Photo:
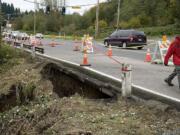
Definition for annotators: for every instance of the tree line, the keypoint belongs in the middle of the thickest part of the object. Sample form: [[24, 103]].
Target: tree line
[[133, 14], [9, 9], [8, 12]]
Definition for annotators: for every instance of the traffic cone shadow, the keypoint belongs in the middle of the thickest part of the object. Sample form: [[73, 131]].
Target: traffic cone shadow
[[148, 56]]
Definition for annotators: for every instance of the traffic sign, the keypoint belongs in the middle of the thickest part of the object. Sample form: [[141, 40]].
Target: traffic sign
[[76, 7]]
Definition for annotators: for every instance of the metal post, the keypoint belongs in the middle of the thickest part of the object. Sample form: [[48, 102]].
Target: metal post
[[97, 19], [118, 13], [126, 80]]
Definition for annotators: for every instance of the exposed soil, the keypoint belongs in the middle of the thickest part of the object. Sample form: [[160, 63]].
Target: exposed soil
[[65, 106]]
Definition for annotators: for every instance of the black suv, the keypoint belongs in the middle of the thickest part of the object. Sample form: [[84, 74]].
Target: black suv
[[126, 38]]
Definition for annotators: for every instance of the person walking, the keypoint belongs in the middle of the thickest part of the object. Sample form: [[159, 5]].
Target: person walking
[[174, 50]]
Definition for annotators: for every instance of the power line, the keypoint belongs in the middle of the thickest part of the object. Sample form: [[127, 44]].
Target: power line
[[84, 5]]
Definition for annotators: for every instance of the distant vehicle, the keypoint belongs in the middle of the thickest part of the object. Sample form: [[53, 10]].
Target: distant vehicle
[[4, 34], [15, 34], [127, 38], [23, 36], [39, 35]]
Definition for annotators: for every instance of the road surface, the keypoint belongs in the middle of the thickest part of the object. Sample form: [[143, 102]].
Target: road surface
[[144, 74]]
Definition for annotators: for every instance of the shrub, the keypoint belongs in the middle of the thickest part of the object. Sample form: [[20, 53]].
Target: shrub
[[102, 24], [25, 92], [7, 53]]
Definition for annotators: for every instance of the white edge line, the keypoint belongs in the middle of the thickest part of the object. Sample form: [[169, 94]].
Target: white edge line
[[114, 78], [157, 93]]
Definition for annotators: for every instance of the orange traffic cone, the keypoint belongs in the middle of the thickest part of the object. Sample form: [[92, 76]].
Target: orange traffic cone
[[85, 59], [148, 56], [109, 53]]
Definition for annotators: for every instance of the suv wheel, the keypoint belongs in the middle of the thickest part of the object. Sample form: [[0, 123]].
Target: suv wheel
[[139, 48], [106, 44], [124, 45]]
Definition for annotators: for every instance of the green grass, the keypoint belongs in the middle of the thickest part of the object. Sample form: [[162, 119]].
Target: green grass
[[8, 57]]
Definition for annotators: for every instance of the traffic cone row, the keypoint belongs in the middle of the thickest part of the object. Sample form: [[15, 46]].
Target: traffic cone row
[[148, 56]]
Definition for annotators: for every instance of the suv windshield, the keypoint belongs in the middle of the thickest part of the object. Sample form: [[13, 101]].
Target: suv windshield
[[114, 34], [138, 33], [124, 33]]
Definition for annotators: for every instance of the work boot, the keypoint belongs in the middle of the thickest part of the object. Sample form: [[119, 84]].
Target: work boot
[[168, 82]]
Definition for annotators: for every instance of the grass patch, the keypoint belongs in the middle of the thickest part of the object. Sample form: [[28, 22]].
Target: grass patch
[[9, 57]]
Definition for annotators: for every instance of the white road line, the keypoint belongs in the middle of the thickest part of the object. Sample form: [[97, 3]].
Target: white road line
[[157, 93]]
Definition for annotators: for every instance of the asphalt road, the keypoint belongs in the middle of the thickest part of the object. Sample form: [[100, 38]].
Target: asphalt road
[[144, 74]]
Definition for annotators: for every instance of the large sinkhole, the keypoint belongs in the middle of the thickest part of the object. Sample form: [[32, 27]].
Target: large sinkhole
[[66, 83]]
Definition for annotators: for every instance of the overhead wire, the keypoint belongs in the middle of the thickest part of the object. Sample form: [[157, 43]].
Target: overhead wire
[[83, 5]]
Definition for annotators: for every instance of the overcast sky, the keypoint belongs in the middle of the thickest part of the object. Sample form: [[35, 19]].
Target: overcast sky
[[23, 5]]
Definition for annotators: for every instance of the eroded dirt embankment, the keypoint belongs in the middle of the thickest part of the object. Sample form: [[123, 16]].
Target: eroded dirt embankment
[[65, 84], [18, 87]]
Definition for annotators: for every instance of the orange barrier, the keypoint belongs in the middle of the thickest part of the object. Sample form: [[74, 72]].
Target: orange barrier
[[148, 56], [52, 43]]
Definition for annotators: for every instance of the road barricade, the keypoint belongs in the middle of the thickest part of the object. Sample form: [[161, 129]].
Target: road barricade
[[87, 42], [160, 52]]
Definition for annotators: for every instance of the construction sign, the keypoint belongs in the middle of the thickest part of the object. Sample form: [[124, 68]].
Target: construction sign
[[160, 51], [35, 41], [87, 42]]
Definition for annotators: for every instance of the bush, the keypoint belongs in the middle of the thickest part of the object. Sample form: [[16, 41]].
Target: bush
[[102, 24], [7, 53], [9, 57], [25, 92], [157, 31]]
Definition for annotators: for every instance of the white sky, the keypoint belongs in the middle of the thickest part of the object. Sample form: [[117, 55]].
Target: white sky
[[23, 5]]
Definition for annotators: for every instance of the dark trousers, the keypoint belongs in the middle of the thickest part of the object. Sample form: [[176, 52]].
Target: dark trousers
[[175, 73]]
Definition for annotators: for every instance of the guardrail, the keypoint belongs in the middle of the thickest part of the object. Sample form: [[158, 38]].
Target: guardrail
[[28, 46], [39, 49]]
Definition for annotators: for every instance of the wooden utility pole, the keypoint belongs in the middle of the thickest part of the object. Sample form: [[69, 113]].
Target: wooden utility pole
[[35, 2], [97, 20], [118, 11]]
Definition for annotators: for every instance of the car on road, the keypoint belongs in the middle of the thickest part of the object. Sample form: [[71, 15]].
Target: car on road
[[15, 34], [127, 38], [39, 35]]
